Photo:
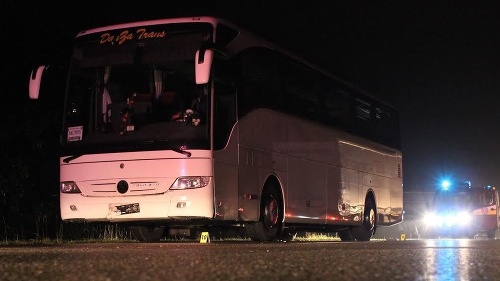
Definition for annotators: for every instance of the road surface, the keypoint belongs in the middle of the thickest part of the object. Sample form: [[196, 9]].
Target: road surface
[[440, 259]]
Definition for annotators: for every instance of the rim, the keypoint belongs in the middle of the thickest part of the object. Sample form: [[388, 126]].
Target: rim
[[371, 219], [271, 212]]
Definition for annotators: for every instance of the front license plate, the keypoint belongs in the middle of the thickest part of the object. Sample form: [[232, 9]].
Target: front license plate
[[128, 209]]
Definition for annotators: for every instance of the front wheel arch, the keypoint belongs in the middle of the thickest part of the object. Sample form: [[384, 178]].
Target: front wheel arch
[[269, 226]]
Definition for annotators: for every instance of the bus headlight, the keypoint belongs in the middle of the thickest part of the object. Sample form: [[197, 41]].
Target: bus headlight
[[69, 187], [190, 182]]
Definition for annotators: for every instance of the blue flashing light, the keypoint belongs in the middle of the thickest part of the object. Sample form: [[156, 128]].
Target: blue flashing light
[[445, 184]]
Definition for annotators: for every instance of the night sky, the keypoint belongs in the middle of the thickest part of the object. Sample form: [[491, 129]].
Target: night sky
[[438, 63]]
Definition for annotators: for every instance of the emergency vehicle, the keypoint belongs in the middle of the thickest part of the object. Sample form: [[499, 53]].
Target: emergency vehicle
[[460, 210]]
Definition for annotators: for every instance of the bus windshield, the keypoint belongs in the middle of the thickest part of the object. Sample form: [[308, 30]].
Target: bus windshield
[[134, 86]]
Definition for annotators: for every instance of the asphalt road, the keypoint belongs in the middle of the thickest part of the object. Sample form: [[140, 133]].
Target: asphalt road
[[476, 259]]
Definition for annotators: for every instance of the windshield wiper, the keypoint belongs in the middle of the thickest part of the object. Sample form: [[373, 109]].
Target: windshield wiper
[[171, 147], [187, 153]]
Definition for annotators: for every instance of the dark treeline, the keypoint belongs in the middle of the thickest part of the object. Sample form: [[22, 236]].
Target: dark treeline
[[29, 170]]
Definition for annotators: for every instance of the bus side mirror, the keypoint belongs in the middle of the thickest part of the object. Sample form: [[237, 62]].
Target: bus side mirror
[[36, 81], [203, 64]]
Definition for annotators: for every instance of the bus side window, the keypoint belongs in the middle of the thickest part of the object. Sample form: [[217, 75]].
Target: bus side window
[[260, 84], [301, 93], [383, 125], [364, 120], [337, 108]]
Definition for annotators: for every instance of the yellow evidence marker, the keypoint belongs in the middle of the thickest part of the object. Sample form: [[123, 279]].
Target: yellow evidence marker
[[205, 238]]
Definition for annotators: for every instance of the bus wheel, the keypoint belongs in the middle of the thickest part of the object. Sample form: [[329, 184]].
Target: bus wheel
[[147, 233], [270, 223], [365, 231], [490, 234]]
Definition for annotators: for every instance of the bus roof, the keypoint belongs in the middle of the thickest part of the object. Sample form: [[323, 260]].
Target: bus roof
[[245, 39], [212, 20]]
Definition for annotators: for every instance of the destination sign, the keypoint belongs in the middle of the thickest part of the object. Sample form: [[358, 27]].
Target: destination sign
[[128, 35]]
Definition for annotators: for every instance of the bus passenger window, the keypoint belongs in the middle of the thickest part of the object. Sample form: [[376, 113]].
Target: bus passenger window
[[337, 108], [363, 110]]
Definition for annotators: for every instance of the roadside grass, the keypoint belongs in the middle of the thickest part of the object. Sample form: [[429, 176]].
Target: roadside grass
[[116, 233], [311, 236], [307, 237]]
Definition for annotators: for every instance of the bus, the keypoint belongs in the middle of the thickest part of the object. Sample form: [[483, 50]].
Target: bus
[[459, 210], [267, 143]]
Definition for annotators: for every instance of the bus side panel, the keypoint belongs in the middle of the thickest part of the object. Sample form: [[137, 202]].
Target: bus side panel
[[351, 203], [379, 170], [396, 213], [306, 191], [257, 167], [226, 190], [248, 184], [310, 149], [258, 132], [334, 192], [388, 203], [381, 186], [226, 179]]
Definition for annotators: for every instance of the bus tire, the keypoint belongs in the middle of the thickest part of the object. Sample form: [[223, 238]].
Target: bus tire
[[490, 234], [269, 226], [365, 231], [147, 233], [345, 235]]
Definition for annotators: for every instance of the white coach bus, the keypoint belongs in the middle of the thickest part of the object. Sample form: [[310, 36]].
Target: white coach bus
[[265, 140]]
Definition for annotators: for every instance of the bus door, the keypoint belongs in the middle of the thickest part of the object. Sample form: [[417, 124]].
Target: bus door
[[225, 146]]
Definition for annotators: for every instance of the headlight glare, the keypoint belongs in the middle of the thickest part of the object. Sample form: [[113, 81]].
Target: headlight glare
[[430, 219], [464, 218], [434, 220]]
